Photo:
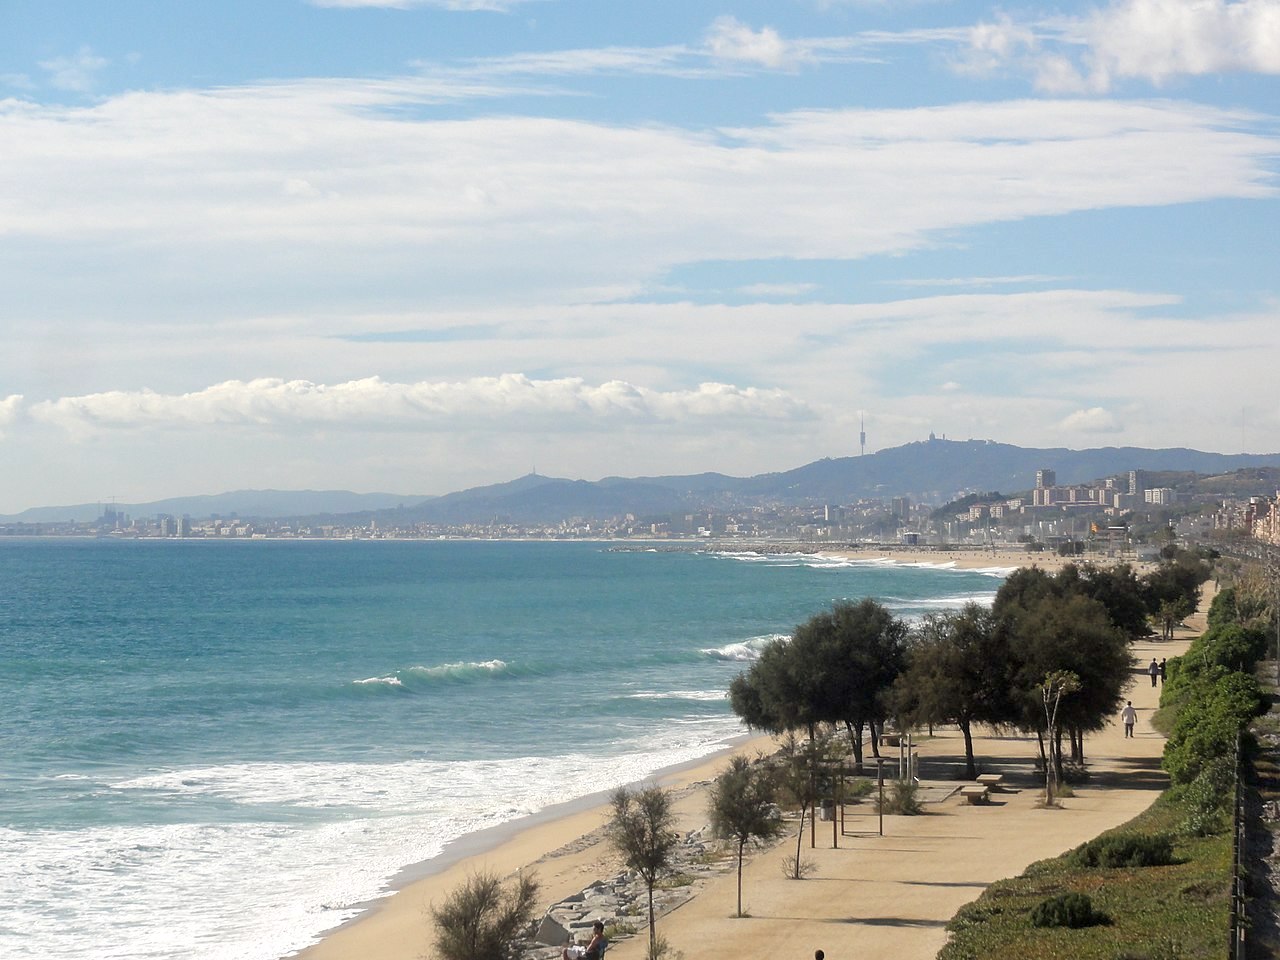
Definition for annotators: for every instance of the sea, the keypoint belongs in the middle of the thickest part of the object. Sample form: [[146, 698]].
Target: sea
[[219, 750]]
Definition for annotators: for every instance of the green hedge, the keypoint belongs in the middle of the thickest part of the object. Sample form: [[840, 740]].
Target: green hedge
[[1072, 910], [1125, 848]]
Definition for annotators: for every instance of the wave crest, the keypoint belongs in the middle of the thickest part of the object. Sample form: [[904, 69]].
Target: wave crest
[[744, 651], [461, 672]]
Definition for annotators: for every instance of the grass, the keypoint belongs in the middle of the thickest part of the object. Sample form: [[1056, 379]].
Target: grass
[[1156, 913]]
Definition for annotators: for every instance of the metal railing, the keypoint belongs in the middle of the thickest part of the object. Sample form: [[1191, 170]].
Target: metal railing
[[1239, 916]]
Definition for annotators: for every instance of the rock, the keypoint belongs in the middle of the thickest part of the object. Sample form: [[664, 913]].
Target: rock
[[551, 932]]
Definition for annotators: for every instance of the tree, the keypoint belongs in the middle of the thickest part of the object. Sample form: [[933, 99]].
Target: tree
[[743, 808], [777, 693], [642, 832], [1169, 614], [957, 673], [1176, 580], [1074, 634], [480, 919], [1118, 589], [800, 775], [838, 669], [864, 653], [1053, 688]]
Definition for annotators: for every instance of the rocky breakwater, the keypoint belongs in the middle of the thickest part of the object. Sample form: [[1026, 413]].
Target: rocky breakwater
[[621, 901]]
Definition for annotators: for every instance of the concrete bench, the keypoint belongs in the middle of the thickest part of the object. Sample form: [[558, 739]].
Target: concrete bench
[[974, 794], [990, 780]]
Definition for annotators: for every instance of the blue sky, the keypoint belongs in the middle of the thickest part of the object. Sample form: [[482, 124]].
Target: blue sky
[[418, 246]]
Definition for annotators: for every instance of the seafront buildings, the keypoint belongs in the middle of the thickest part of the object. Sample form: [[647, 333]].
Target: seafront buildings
[[1110, 516]]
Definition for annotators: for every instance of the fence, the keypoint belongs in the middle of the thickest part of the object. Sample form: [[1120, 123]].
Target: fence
[[1239, 919]]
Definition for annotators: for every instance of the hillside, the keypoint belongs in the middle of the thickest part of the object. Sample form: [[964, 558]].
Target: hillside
[[933, 471]]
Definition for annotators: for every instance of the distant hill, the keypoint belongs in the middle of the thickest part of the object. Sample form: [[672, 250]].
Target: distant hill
[[264, 504], [931, 469], [934, 470]]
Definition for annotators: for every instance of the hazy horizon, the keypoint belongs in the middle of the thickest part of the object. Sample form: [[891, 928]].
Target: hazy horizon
[[436, 244]]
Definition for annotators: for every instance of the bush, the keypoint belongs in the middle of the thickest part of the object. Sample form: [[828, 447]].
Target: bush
[[1125, 849], [1207, 797], [1066, 910], [480, 919], [903, 799], [1215, 706]]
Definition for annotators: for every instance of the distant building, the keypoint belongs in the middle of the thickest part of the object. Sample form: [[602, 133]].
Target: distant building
[[1159, 496], [1045, 478]]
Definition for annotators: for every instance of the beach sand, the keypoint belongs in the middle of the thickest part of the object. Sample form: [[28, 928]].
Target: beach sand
[[875, 896], [977, 558]]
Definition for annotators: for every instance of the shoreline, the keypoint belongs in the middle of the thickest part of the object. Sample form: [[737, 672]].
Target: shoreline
[[562, 842], [547, 836]]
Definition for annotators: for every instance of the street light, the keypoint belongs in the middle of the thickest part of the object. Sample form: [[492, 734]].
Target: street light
[[880, 783]]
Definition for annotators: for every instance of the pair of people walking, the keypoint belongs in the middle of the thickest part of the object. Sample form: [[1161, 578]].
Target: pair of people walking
[[1157, 670]]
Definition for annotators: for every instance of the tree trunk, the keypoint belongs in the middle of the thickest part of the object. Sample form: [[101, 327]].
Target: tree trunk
[[970, 769], [653, 930], [857, 747], [799, 841], [876, 730], [1057, 757], [741, 847]]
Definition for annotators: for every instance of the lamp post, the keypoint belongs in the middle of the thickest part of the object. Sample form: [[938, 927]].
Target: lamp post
[[880, 784]]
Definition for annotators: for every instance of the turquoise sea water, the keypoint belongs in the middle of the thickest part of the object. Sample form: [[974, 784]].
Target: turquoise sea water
[[220, 750]]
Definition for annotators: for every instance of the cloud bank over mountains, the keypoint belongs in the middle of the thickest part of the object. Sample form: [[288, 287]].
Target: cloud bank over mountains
[[445, 238], [484, 402]]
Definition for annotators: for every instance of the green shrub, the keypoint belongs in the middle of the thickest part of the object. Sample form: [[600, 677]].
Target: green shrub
[[903, 799], [1125, 849], [1234, 646], [1216, 706], [1066, 910], [1208, 797], [859, 787]]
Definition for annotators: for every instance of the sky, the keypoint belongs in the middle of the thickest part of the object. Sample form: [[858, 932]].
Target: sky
[[414, 246]]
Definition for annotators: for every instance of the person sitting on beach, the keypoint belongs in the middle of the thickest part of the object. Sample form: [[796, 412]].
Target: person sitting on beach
[[594, 949]]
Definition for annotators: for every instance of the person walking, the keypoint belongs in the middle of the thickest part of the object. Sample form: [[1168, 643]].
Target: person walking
[[1128, 716], [1154, 671], [1164, 667]]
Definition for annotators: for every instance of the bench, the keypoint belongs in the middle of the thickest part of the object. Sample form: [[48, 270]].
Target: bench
[[990, 780], [974, 794]]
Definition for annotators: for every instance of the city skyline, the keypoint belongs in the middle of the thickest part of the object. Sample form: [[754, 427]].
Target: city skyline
[[424, 245]]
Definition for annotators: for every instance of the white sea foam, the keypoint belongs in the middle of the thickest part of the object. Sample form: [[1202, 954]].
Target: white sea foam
[[832, 562], [700, 695], [744, 651], [388, 681], [314, 842]]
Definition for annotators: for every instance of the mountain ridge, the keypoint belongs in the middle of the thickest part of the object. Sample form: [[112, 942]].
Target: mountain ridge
[[933, 469]]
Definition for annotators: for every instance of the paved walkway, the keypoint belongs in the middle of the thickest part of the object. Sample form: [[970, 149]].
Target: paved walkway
[[892, 896]]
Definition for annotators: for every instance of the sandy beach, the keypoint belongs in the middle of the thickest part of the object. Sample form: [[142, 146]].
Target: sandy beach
[[876, 896], [976, 558]]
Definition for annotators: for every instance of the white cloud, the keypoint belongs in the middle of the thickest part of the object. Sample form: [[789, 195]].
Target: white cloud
[[77, 73], [313, 189], [1152, 40], [1092, 420], [10, 410], [730, 39], [504, 403], [991, 46]]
